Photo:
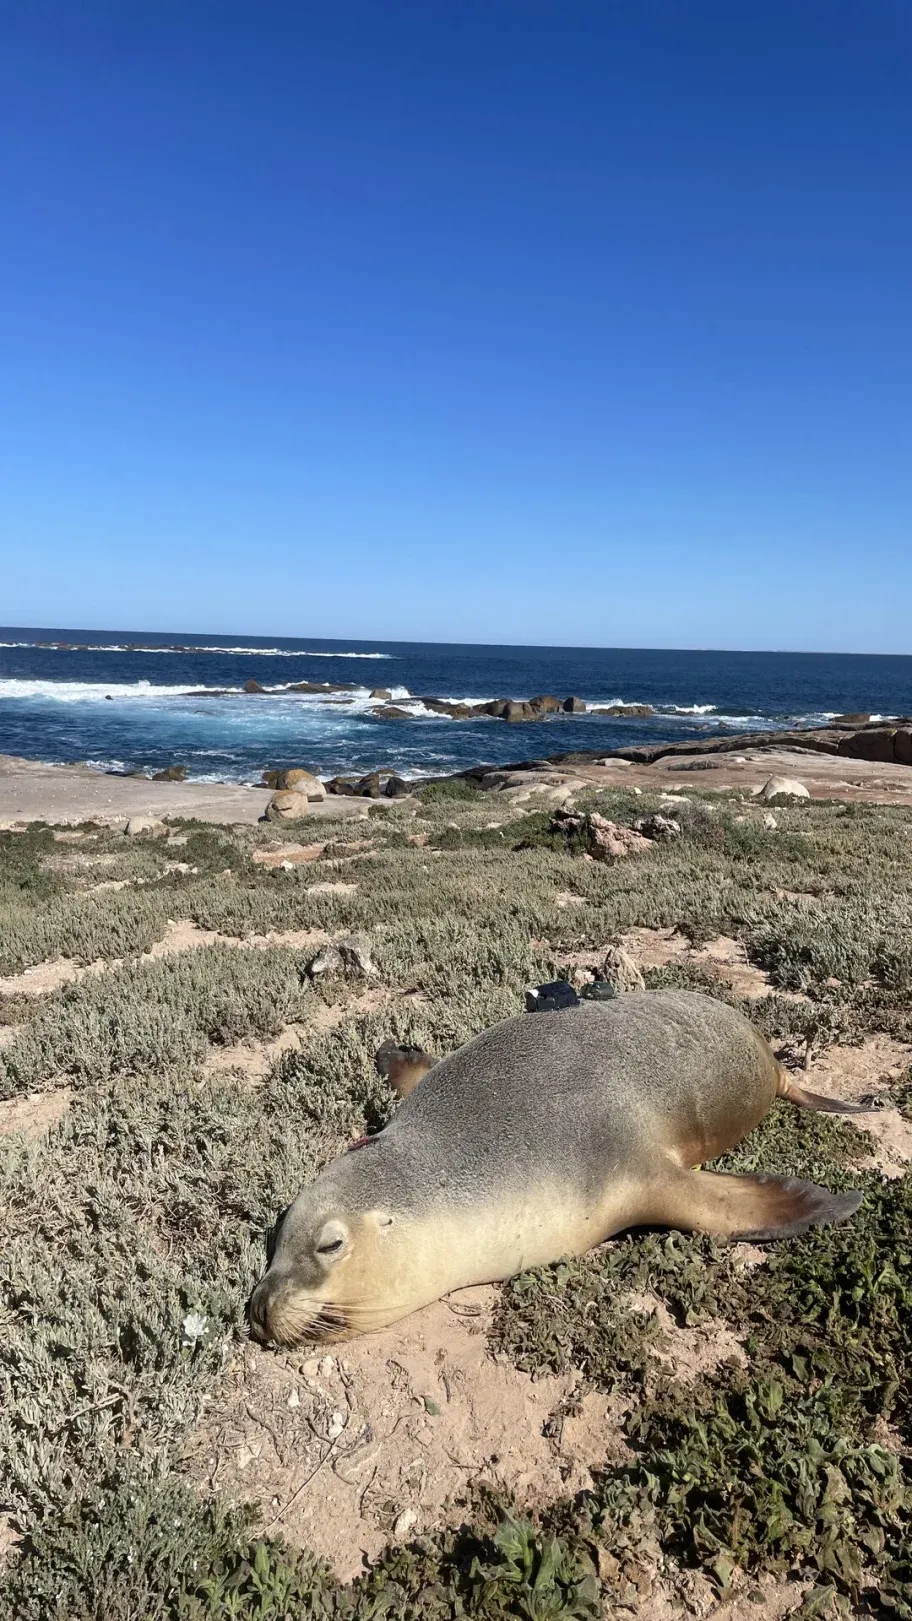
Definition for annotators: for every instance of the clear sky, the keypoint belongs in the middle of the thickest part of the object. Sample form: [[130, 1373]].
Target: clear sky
[[543, 321]]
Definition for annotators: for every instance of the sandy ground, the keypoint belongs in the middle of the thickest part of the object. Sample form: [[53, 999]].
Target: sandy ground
[[31, 792]]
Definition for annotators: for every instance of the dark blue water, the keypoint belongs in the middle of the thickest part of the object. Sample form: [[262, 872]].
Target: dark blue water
[[123, 707]]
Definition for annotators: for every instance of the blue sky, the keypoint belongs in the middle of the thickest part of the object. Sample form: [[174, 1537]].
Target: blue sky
[[495, 320]]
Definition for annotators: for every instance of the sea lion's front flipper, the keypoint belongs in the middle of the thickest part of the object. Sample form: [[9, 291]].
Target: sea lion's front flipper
[[757, 1207], [403, 1067]]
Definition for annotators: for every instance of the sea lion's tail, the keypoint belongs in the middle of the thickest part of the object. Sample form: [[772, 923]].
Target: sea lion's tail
[[787, 1087]]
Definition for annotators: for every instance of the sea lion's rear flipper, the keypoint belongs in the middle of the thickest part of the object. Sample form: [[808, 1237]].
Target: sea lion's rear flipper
[[757, 1207], [403, 1067], [800, 1095]]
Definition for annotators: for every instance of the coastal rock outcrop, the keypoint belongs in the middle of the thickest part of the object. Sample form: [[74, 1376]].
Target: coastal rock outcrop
[[171, 773], [890, 744], [381, 692], [632, 711], [574, 706], [391, 712], [253, 686]]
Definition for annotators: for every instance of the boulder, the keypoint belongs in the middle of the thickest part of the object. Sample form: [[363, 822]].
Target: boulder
[[787, 787], [396, 787], [514, 711], [605, 841], [369, 787], [381, 692], [342, 785], [902, 746], [851, 720], [620, 970], [171, 773], [662, 828], [545, 704], [145, 824], [355, 954], [390, 712], [608, 842], [270, 779], [286, 806], [497, 707], [253, 686], [298, 781], [574, 706], [327, 961]]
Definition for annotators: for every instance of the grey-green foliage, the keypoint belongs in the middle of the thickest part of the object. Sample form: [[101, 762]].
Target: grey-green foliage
[[155, 1017], [149, 1201]]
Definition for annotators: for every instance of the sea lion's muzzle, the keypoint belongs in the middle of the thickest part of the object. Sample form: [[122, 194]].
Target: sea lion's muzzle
[[282, 1313]]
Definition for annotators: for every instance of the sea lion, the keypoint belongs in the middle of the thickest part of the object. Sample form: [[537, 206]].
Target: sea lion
[[537, 1140]]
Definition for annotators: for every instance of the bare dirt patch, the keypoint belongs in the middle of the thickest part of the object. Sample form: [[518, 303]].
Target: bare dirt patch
[[46, 977], [294, 855], [253, 1060], [34, 1114], [854, 1073], [691, 1351], [724, 958], [348, 1452]]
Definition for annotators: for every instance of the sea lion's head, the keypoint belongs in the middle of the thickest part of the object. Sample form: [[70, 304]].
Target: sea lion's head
[[334, 1271]]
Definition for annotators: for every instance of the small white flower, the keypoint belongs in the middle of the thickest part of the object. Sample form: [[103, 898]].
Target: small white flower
[[194, 1327]]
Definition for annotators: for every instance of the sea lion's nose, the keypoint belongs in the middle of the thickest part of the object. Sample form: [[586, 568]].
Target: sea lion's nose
[[261, 1303]]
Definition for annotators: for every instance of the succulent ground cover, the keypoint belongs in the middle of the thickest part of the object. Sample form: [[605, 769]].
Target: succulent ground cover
[[133, 1229]]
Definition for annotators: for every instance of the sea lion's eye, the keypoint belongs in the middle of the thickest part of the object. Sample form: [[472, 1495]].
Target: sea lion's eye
[[331, 1238]]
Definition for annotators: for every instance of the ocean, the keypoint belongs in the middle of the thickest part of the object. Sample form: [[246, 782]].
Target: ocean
[[127, 701]]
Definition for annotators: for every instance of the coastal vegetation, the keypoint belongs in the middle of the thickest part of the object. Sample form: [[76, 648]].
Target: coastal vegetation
[[133, 1225]]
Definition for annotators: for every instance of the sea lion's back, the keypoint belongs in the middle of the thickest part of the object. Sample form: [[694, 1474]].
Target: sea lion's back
[[593, 1078]]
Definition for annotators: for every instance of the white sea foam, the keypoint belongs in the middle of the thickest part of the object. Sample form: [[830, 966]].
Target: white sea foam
[[74, 692], [687, 709], [184, 647]]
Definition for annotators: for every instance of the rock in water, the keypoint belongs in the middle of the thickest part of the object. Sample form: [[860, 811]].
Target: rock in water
[[575, 706], [621, 971], [253, 686], [382, 692], [171, 773], [788, 787]]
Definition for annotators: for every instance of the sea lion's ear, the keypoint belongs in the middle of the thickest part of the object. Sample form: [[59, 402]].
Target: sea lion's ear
[[403, 1067], [381, 1218], [333, 1241]]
